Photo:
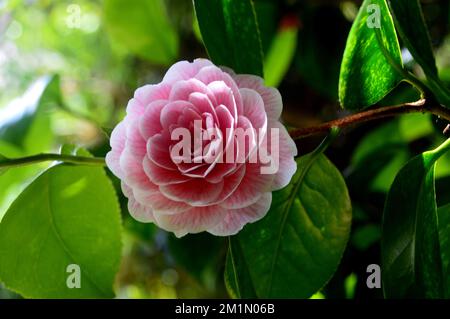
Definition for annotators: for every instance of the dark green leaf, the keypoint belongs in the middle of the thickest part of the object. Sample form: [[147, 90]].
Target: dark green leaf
[[142, 27], [444, 239], [68, 215], [296, 248], [411, 259], [414, 35], [230, 34], [367, 75], [238, 279]]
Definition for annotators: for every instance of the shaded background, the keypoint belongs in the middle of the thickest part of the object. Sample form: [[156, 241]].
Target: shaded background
[[96, 53]]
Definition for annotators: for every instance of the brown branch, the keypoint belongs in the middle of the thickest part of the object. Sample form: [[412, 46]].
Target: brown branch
[[388, 111]]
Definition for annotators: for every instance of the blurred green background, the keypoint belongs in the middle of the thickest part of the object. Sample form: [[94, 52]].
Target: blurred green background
[[68, 69]]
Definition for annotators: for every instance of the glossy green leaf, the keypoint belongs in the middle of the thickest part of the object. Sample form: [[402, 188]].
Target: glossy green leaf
[[414, 35], [68, 215], [411, 259], [14, 180], [280, 55], [444, 240], [367, 71], [238, 279], [296, 248], [142, 27], [28, 116], [230, 34]]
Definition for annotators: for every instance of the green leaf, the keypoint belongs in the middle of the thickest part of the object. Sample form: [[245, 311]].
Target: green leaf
[[296, 248], [414, 35], [68, 215], [230, 34], [14, 180], [444, 239], [142, 27], [416, 38], [410, 253], [28, 116], [280, 55], [367, 75], [238, 279]]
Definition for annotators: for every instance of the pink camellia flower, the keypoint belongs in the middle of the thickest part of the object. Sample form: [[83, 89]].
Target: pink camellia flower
[[218, 179]]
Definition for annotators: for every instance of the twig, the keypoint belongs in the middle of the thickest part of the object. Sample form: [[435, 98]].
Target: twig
[[388, 111]]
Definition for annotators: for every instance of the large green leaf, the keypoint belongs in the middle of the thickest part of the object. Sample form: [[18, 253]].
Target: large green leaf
[[411, 260], [296, 248], [414, 35], [444, 239], [368, 69], [142, 27], [416, 38], [14, 180], [230, 34], [25, 122], [238, 279], [68, 215]]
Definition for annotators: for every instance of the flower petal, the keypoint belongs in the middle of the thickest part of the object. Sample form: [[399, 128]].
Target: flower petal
[[141, 213], [236, 219], [287, 164], [150, 121], [195, 220], [185, 70], [271, 96], [117, 141], [250, 189], [162, 176], [195, 192]]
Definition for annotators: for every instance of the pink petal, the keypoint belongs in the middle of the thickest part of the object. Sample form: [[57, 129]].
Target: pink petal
[[287, 164], [212, 73], [135, 142], [203, 104], [184, 70], [271, 97], [162, 176], [117, 141], [135, 109], [231, 183], [172, 111], [141, 213], [158, 151], [195, 220], [159, 203], [236, 219], [254, 109], [149, 123], [195, 192], [224, 95], [250, 189], [152, 92], [133, 171]]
